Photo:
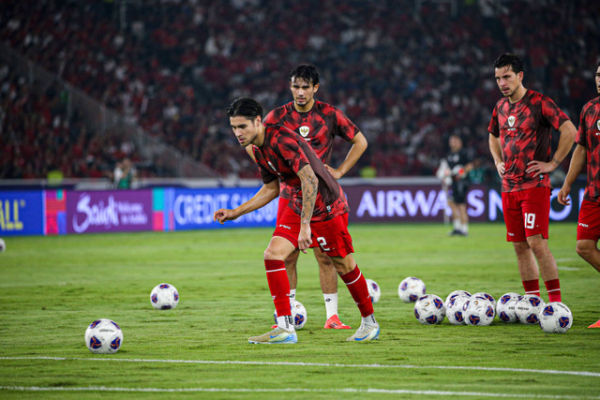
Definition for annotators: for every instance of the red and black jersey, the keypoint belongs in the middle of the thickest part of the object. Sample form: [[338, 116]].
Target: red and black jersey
[[525, 131], [282, 155], [319, 126], [588, 136]]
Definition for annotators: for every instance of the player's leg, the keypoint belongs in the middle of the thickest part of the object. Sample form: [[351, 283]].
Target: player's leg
[[588, 250], [335, 240], [528, 268], [464, 218], [455, 217], [357, 286], [536, 216], [328, 278], [290, 266], [515, 233], [279, 248], [588, 233]]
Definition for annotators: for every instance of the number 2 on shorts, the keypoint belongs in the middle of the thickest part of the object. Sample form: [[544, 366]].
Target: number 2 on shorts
[[529, 220], [322, 243]]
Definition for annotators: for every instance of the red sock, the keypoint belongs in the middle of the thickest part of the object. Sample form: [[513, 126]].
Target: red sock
[[532, 287], [357, 285], [553, 288], [279, 286]]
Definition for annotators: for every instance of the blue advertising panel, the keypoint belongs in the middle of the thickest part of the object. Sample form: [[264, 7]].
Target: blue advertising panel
[[21, 213], [194, 208]]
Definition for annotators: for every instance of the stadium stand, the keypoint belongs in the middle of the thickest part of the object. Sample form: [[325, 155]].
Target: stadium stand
[[409, 73]]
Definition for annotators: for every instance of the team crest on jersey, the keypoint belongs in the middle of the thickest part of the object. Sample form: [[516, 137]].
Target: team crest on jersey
[[304, 130], [511, 120], [598, 124]]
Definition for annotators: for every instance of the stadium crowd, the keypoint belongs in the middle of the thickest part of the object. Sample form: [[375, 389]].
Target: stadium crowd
[[409, 73]]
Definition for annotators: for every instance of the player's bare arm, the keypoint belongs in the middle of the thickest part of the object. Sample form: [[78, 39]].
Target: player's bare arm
[[496, 150], [578, 161], [565, 143], [266, 194], [359, 145], [310, 185]]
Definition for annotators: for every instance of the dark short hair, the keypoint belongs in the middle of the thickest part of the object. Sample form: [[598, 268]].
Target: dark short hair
[[308, 72], [509, 59], [245, 107]]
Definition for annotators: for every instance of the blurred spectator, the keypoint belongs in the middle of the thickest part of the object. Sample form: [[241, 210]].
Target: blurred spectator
[[404, 71]]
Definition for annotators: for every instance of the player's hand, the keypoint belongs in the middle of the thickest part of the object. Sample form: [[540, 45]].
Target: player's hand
[[563, 195], [223, 215], [539, 167], [334, 172], [500, 168], [304, 237]]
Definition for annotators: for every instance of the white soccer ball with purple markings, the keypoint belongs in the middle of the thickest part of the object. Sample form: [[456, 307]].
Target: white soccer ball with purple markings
[[298, 314], [456, 308], [528, 309], [164, 296], [555, 317], [374, 290], [2, 245], [410, 289], [487, 296], [479, 311], [454, 294], [103, 336], [506, 307], [429, 309]]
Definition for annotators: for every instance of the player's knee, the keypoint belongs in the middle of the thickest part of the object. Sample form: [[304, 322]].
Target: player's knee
[[585, 248], [270, 254]]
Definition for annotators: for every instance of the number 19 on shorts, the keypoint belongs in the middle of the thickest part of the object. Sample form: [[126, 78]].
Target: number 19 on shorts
[[529, 220]]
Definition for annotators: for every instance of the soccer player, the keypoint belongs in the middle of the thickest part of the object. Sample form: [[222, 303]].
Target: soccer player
[[519, 139], [455, 167], [318, 123], [587, 152], [317, 213]]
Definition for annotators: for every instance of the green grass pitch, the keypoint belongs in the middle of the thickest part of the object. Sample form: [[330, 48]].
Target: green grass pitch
[[53, 287]]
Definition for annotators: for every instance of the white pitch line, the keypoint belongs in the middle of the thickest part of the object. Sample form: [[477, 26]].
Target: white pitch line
[[445, 393], [311, 364]]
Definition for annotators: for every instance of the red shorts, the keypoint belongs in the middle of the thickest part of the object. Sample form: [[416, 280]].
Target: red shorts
[[588, 225], [526, 213], [331, 236]]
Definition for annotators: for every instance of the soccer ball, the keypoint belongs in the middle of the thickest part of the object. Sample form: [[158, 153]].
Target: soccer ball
[[507, 306], [374, 290], [455, 309], [487, 296], [103, 336], [298, 314], [479, 311], [528, 309], [454, 294], [555, 317], [164, 296], [410, 289], [2, 245], [429, 309]]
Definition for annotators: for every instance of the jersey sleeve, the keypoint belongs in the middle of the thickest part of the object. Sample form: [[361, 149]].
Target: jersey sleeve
[[493, 127], [581, 138], [345, 128], [554, 115]]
